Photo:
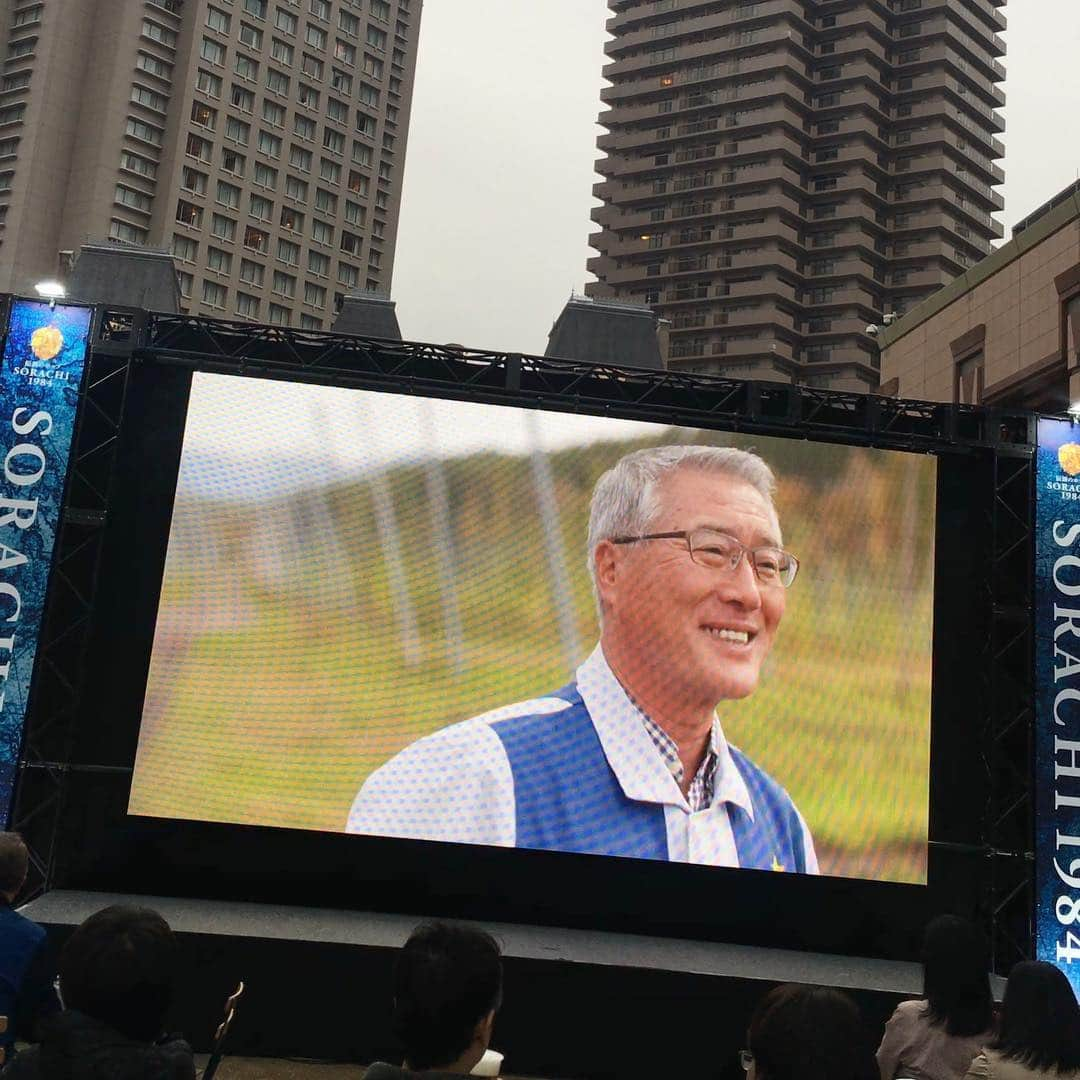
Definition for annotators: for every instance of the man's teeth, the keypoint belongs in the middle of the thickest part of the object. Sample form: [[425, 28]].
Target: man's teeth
[[739, 636]]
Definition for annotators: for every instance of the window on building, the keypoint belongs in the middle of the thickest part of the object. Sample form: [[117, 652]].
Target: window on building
[[348, 23], [185, 280], [362, 154], [277, 82], [224, 228], [376, 38], [269, 144], [284, 284], [152, 65], [311, 65], [322, 232], [193, 180], [228, 195], [232, 162], [213, 52], [203, 115], [219, 260], [188, 213], [355, 214], [128, 160], [285, 21], [329, 171], [273, 113], [247, 306], [252, 273], [161, 34], [218, 20], [265, 177], [295, 188], [185, 248], [334, 141], [314, 295], [282, 52], [256, 8], [304, 126], [279, 316], [315, 36], [341, 81], [318, 263], [365, 124], [337, 110], [351, 243], [307, 95], [256, 239], [261, 208], [246, 68], [320, 9], [288, 252], [299, 158], [291, 219], [209, 83], [359, 184], [242, 99], [251, 36], [197, 147]]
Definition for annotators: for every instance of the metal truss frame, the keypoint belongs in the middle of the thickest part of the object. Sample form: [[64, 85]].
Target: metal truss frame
[[124, 337]]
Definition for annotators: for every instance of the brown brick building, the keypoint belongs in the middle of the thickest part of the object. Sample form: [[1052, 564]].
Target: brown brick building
[[261, 141], [1008, 331], [780, 173]]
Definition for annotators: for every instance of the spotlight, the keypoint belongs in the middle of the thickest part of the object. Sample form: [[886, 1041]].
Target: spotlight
[[50, 290]]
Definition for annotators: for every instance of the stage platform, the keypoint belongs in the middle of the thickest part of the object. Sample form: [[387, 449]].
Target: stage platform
[[576, 1003]]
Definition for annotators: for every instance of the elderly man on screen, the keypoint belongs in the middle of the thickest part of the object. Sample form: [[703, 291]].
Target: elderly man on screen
[[690, 575]]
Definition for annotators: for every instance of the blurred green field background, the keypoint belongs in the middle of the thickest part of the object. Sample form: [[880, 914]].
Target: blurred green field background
[[279, 678]]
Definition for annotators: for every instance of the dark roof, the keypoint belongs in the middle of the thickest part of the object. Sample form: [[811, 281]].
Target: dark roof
[[606, 332], [125, 275], [368, 315]]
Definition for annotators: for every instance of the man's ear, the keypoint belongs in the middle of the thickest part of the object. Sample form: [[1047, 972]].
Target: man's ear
[[605, 563], [484, 1027]]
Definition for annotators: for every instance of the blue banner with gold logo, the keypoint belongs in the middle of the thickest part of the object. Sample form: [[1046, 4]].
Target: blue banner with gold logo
[[43, 361]]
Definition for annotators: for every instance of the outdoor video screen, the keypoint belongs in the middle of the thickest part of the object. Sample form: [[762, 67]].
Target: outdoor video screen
[[402, 616]]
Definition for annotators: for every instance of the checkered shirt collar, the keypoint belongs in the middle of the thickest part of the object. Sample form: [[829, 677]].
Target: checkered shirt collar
[[636, 758]]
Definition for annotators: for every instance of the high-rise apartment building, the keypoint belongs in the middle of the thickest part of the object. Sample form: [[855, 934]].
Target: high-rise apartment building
[[261, 141], [781, 173]]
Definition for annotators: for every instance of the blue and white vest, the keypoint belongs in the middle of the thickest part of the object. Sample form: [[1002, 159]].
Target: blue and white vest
[[568, 799]]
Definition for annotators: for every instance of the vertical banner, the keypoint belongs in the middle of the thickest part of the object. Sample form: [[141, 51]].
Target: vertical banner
[[40, 379], [1057, 696]]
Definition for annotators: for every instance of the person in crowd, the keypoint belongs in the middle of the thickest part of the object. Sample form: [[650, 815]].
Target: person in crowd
[[1038, 1031], [808, 1033], [26, 993], [447, 989], [936, 1037], [690, 577], [117, 975]]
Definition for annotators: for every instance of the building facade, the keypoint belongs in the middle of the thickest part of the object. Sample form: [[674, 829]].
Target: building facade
[[781, 173], [260, 141], [1007, 332]]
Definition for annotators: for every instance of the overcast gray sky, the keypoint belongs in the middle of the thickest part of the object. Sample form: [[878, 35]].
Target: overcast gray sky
[[495, 217]]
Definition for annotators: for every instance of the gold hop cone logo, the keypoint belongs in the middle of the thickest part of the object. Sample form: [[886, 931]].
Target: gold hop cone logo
[[1069, 458], [46, 342]]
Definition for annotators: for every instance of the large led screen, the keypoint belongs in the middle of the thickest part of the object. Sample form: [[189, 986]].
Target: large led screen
[[453, 621]]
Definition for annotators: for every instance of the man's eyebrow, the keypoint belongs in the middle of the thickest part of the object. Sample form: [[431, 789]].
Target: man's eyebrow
[[761, 539]]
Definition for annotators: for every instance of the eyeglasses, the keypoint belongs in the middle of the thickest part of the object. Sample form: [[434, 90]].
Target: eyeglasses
[[746, 1060], [718, 551]]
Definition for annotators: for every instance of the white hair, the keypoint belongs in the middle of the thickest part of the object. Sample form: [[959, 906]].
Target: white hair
[[626, 499]]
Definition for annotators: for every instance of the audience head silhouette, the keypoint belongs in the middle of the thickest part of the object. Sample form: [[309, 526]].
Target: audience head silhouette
[[809, 1033], [447, 988], [119, 968], [14, 861], [956, 979], [1040, 1019]]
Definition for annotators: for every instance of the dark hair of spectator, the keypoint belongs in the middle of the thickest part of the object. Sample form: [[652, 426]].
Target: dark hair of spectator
[[13, 862], [1040, 1019], [447, 979], [119, 967], [956, 978], [810, 1033]]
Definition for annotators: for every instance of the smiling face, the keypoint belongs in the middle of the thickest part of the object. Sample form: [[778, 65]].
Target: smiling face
[[678, 634]]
